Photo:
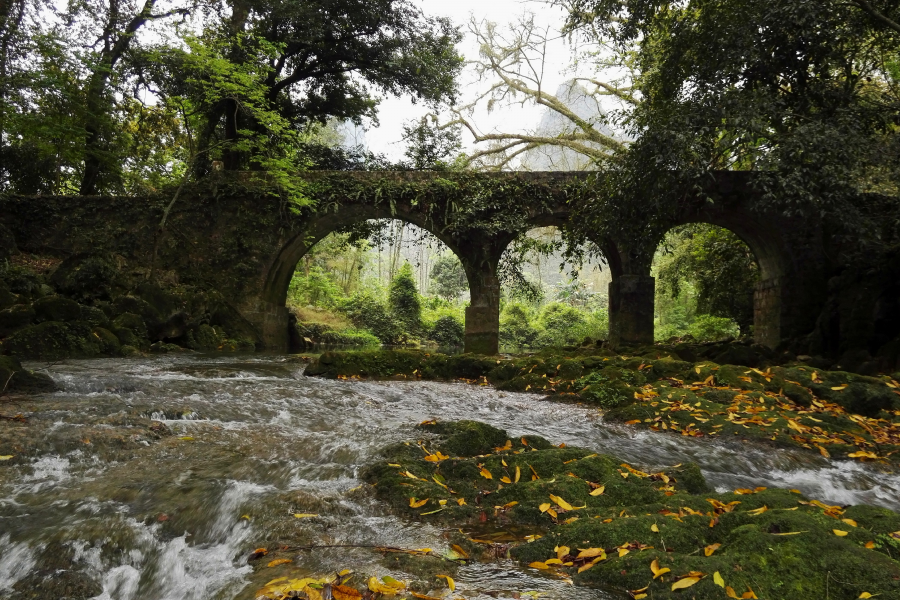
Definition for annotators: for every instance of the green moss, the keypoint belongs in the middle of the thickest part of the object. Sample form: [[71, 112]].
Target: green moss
[[53, 340], [772, 541]]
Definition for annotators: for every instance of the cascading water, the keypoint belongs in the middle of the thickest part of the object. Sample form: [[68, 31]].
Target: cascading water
[[100, 501]]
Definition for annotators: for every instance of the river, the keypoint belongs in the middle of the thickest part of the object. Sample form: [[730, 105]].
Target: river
[[95, 502]]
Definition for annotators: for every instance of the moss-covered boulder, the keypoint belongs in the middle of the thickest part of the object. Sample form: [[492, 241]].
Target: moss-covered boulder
[[203, 337], [15, 379], [56, 308], [22, 281], [53, 340], [625, 529], [95, 316], [14, 318], [108, 342], [87, 277], [131, 322], [7, 298]]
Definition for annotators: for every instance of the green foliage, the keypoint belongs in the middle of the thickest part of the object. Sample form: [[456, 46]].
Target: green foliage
[[707, 328], [367, 312], [404, 301], [314, 289], [447, 331], [797, 91], [448, 277], [430, 147], [516, 328], [720, 266]]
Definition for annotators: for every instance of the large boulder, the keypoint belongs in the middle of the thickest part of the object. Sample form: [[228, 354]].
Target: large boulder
[[131, 322], [87, 277], [94, 316], [14, 318], [108, 342], [52, 340], [15, 379], [56, 308], [22, 281]]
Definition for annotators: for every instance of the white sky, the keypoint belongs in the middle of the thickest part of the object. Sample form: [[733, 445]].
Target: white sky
[[393, 112]]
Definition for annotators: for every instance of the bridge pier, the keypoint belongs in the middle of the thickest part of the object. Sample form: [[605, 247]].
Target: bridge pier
[[481, 263], [631, 308]]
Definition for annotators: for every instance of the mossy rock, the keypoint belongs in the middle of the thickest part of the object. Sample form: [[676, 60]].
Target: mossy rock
[[132, 305], [87, 277], [95, 316], [53, 340], [109, 343], [15, 318], [22, 281], [203, 337], [56, 308], [772, 541], [7, 298], [15, 379], [131, 322]]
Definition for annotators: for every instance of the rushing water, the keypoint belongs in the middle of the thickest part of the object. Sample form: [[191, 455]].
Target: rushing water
[[100, 504]]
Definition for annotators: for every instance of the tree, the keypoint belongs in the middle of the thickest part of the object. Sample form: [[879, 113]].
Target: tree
[[404, 299], [719, 266], [430, 147], [328, 60], [448, 277], [802, 92], [512, 62]]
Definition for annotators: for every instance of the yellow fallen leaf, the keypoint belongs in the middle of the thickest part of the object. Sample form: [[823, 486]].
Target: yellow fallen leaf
[[413, 503], [459, 550], [623, 552], [863, 454], [561, 551], [279, 561], [461, 501], [538, 565], [505, 479], [640, 596], [442, 502], [423, 596], [729, 591], [342, 592], [823, 451], [591, 553], [708, 551], [849, 522], [657, 571], [587, 566], [450, 583], [380, 588], [758, 511], [7, 456], [866, 595], [840, 532], [305, 515], [518, 474], [486, 474], [870, 545], [397, 585], [684, 583], [717, 579], [545, 507], [654, 528], [598, 491], [838, 388]]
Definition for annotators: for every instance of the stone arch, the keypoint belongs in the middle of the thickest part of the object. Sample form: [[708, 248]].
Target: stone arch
[[773, 260], [268, 311]]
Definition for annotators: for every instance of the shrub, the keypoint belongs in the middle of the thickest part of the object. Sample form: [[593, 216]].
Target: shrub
[[561, 324], [315, 289], [367, 312], [448, 331], [404, 300], [516, 329], [707, 328]]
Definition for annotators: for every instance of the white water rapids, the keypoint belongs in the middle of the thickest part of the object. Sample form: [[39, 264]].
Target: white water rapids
[[95, 504]]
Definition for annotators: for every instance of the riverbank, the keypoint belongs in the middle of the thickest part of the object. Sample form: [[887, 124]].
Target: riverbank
[[601, 522], [835, 413]]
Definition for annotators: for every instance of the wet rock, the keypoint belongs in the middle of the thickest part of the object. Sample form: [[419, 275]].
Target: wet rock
[[56, 308], [95, 316], [14, 318], [128, 350], [109, 343], [132, 305], [52, 340], [15, 379], [164, 348], [87, 277], [203, 338], [130, 322]]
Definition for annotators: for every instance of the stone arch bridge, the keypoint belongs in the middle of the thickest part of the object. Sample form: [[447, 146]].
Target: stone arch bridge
[[233, 237]]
